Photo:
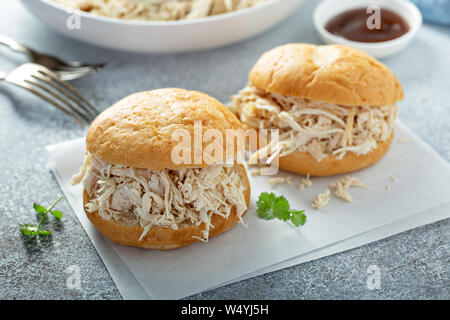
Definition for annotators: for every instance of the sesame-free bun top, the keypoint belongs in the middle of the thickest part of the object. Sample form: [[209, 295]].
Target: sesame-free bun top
[[137, 130], [331, 73]]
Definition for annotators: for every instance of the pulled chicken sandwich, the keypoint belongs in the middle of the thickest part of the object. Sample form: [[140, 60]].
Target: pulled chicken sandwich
[[135, 193], [335, 107]]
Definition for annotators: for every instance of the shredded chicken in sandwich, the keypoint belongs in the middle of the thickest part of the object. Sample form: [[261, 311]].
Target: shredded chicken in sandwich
[[166, 198], [159, 10], [318, 128]]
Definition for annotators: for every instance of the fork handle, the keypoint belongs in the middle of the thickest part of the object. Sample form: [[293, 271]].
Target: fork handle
[[14, 45]]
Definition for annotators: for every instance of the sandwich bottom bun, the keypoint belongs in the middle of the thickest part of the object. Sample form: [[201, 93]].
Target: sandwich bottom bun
[[164, 238], [304, 163]]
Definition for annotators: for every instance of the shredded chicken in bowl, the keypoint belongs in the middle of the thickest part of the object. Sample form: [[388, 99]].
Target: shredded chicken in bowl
[[159, 10], [318, 128], [166, 198]]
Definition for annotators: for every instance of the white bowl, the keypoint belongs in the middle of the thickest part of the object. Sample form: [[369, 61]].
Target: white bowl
[[328, 9], [170, 36]]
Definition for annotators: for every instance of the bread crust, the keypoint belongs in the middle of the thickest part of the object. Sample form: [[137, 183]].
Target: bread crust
[[331, 73], [164, 238], [137, 131], [304, 163]]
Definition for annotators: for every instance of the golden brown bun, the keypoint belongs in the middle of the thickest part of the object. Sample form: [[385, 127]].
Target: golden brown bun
[[137, 130], [164, 238], [333, 73], [304, 163]]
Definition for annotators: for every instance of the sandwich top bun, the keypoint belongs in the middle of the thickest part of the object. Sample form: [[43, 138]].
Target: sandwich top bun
[[137, 130], [333, 73]]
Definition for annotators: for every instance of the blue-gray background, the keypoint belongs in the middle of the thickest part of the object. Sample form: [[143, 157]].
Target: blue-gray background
[[435, 11], [413, 264]]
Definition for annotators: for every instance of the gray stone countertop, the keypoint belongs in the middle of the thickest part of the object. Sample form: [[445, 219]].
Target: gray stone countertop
[[414, 264]]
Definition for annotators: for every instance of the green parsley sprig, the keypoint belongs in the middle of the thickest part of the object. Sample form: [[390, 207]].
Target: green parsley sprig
[[33, 230], [270, 206]]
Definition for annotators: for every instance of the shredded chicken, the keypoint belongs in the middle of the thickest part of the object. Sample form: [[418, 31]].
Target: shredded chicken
[[341, 192], [305, 183], [158, 10], [166, 198], [318, 128], [393, 178], [404, 140], [276, 180], [321, 200], [349, 181], [343, 184]]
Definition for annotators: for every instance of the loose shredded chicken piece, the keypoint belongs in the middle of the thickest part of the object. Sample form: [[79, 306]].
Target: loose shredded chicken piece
[[289, 180], [393, 178], [305, 183], [404, 140], [341, 192], [321, 200], [277, 180], [158, 10], [318, 128], [76, 179], [343, 184], [349, 181], [166, 198]]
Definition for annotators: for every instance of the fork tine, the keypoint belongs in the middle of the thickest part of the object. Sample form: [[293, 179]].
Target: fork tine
[[75, 64], [55, 61], [47, 99], [66, 90], [71, 89], [92, 68], [71, 75], [40, 80], [38, 84]]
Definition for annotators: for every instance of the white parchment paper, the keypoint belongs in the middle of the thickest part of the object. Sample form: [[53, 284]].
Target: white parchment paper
[[419, 196]]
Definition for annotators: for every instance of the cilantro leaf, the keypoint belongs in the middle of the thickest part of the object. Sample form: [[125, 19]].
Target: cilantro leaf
[[44, 232], [32, 230], [281, 209], [39, 209], [269, 206], [57, 214], [298, 218], [265, 203], [29, 229]]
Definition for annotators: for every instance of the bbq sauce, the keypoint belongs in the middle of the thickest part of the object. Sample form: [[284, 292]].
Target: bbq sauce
[[353, 25]]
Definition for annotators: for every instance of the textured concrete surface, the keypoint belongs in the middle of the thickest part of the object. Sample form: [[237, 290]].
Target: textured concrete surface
[[413, 264]]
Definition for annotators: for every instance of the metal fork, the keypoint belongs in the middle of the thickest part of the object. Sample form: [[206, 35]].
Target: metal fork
[[65, 70], [46, 84]]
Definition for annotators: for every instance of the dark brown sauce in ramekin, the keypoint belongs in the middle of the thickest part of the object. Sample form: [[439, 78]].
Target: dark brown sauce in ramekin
[[353, 25]]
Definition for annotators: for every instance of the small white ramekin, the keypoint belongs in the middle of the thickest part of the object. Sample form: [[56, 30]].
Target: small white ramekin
[[328, 9]]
